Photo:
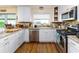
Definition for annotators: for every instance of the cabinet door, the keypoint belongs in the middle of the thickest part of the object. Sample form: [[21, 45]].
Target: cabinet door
[[24, 13], [60, 13], [20, 38], [42, 35], [78, 13], [4, 45], [66, 8], [10, 43], [26, 35], [73, 47], [4, 48], [15, 41], [47, 35], [52, 35]]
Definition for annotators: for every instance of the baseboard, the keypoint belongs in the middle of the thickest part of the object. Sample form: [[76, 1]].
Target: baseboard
[[40, 42]]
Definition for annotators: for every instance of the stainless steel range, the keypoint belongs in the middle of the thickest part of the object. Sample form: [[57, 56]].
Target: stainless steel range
[[62, 41]]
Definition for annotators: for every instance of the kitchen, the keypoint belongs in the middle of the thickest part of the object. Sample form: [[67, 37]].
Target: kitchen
[[39, 29]]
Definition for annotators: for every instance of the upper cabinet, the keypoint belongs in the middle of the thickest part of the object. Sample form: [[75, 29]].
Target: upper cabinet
[[63, 9], [66, 8], [57, 14], [78, 12], [24, 14], [46, 10], [70, 14]]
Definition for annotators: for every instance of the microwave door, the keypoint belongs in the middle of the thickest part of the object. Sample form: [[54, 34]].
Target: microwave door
[[71, 14]]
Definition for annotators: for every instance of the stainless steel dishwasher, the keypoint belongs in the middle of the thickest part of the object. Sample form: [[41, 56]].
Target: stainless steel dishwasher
[[34, 35]]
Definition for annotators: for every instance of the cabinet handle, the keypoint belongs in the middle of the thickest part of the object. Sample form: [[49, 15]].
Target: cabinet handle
[[6, 43]]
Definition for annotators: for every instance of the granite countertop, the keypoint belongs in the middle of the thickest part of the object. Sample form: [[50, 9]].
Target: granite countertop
[[41, 28], [4, 34], [74, 38]]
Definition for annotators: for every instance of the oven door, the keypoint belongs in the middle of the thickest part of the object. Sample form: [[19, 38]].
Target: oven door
[[62, 43]]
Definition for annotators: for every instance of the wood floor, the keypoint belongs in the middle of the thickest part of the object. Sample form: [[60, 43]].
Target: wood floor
[[37, 48]]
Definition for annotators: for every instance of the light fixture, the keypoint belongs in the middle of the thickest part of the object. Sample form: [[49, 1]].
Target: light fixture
[[3, 10], [41, 8]]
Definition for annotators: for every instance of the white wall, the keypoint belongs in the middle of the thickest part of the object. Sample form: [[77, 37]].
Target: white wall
[[47, 10]]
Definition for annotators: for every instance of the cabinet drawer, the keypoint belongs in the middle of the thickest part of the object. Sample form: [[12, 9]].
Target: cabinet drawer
[[73, 47], [73, 43], [4, 41]]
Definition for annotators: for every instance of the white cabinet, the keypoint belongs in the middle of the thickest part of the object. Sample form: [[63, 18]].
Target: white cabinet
[[26, 37], [4, 45], [63, 9], [78, 12], [73, 47], [20, 38], [16, 40], [58, 12], [10, 43], [66, 8], [47, 35], [24, 13]]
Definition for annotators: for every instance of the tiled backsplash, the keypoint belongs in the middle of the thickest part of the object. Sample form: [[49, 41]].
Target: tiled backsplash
[[72, 22], [62, 25]]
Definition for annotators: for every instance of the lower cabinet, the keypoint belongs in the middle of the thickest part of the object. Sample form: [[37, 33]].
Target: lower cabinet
[[10, 43], [4, 45], [47, 35], [26, 35], [73, 47]]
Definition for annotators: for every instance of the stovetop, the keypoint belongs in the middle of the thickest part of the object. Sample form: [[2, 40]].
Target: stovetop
[[65, 32]]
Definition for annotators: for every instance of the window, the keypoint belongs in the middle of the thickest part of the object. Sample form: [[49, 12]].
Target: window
[[7, 18], [11, 19], [2, 23], [2, 20], [41, 19]]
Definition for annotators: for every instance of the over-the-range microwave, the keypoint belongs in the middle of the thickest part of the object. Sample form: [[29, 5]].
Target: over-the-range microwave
[[70, 15]]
